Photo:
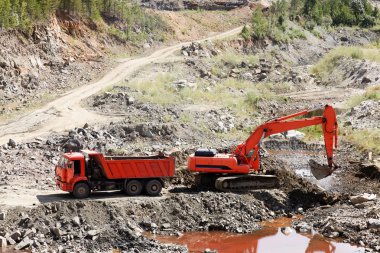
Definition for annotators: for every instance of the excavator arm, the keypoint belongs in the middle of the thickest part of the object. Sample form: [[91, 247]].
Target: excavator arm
[[248, 152]]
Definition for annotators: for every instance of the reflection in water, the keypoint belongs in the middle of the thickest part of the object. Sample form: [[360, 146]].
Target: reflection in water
[[8, 251], [270, 239], [318, 244]]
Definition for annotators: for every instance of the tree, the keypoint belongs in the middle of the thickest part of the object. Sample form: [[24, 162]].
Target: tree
[[367, 21], [308, 7], [344, 16], [5, 13], [260, 25], [295, 6], [317, 13], [34, 10], [375, 13], [357, 7], [24, 18], [15, 14]]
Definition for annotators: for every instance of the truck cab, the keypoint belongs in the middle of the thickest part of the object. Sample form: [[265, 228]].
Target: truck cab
[[69, 170]]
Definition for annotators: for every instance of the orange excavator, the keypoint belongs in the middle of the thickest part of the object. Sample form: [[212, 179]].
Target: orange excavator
[[240, 170]]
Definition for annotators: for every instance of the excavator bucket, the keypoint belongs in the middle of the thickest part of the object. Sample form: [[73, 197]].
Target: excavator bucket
[[319, 171]]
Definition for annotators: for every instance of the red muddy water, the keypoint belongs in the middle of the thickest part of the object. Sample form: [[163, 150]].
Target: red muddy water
[[270, 239]]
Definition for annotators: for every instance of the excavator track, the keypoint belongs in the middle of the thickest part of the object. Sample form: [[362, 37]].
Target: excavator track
[[246, 182], [205, 181]]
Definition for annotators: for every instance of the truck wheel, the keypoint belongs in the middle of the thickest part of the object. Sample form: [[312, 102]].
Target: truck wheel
[[153, 187], [81, 191], [133, 187]]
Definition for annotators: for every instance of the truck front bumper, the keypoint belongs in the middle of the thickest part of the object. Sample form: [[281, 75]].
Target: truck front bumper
[[64, 186]]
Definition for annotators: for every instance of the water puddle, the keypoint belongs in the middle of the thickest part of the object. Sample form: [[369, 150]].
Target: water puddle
[[270, 239]]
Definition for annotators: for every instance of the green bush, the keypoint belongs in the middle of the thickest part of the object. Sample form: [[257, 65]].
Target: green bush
[[252, 99], [371, 93], [357, 53], [368, 21], [366, 140], [260, 25], [245, 33]]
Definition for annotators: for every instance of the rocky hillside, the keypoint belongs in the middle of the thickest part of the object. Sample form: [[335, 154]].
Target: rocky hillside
[[41, 66], [175, 5], [68, 51]]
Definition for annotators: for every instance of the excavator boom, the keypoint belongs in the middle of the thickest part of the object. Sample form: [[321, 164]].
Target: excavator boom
[[246, 159]]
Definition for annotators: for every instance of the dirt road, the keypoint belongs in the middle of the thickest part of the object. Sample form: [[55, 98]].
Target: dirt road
[[33, 197], [66, 112], [334, 95]]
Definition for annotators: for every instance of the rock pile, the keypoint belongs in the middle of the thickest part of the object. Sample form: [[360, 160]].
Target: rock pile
[[355, 224], [120, 98], [356, 73], [224, 121], [366, 115], [76, 226], [196, 49]]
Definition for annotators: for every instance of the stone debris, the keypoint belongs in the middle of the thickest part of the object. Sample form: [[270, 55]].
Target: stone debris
[[23, 244], [76, 221], [374, 223], [3, 242], [368, 110], [181, 84], [358, 199], [303, 227], [16, 236], [287, 230], [10, 240]]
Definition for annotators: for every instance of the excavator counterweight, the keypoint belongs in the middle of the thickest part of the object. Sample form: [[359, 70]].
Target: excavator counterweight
[[241, 169]]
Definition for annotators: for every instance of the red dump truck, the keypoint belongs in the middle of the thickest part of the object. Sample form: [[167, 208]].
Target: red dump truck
[[80, 173]]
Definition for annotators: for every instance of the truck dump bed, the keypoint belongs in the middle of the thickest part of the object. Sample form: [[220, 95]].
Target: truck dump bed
[[116, 167]]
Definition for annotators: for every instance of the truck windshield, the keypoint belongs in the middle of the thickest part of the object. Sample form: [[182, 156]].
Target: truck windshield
[[63, 162]]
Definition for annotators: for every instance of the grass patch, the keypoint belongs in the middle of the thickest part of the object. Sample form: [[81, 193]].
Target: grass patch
[[186, 118], [371, 93], [167, 118], [375, 28], [156, 91], [366, 140], [312, 133], [233, 59], [296, 34], [241, 96], [329, 62]]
